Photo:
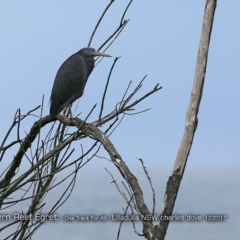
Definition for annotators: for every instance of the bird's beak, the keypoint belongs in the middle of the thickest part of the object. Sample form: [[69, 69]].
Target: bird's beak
[[101, 54]]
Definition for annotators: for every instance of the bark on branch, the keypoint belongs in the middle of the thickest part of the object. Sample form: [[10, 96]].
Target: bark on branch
[[191, 122], [96, 134]]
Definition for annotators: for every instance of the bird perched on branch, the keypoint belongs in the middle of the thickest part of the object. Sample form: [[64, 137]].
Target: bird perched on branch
[[71, 79]]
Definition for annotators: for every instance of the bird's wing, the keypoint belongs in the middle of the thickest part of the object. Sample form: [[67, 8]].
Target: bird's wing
[[69, 83]]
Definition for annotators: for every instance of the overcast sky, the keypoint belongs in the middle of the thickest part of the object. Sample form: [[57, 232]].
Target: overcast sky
[[161, 40]]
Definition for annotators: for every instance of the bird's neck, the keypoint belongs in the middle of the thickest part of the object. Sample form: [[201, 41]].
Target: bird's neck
[[90, 64]]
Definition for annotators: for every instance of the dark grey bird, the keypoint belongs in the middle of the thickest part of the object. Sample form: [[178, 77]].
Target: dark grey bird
[[71, 79]]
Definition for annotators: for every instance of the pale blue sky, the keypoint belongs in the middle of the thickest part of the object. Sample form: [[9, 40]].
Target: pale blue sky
[[161, 40]]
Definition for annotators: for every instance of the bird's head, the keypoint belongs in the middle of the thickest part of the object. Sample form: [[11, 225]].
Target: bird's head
[[91, 52]]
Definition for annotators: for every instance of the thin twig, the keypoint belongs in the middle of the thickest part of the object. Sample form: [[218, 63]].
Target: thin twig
[[99, 21], [105, 90], [151, 184], [124, 13]]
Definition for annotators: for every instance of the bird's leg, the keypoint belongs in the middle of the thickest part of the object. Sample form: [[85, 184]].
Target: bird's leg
[[70, 111]]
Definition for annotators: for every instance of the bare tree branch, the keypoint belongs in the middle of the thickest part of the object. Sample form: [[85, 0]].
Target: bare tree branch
[[191, 122], [50, 153], [99, 21], [105, 90], [151, 184], [124, 13], [93, 132]]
